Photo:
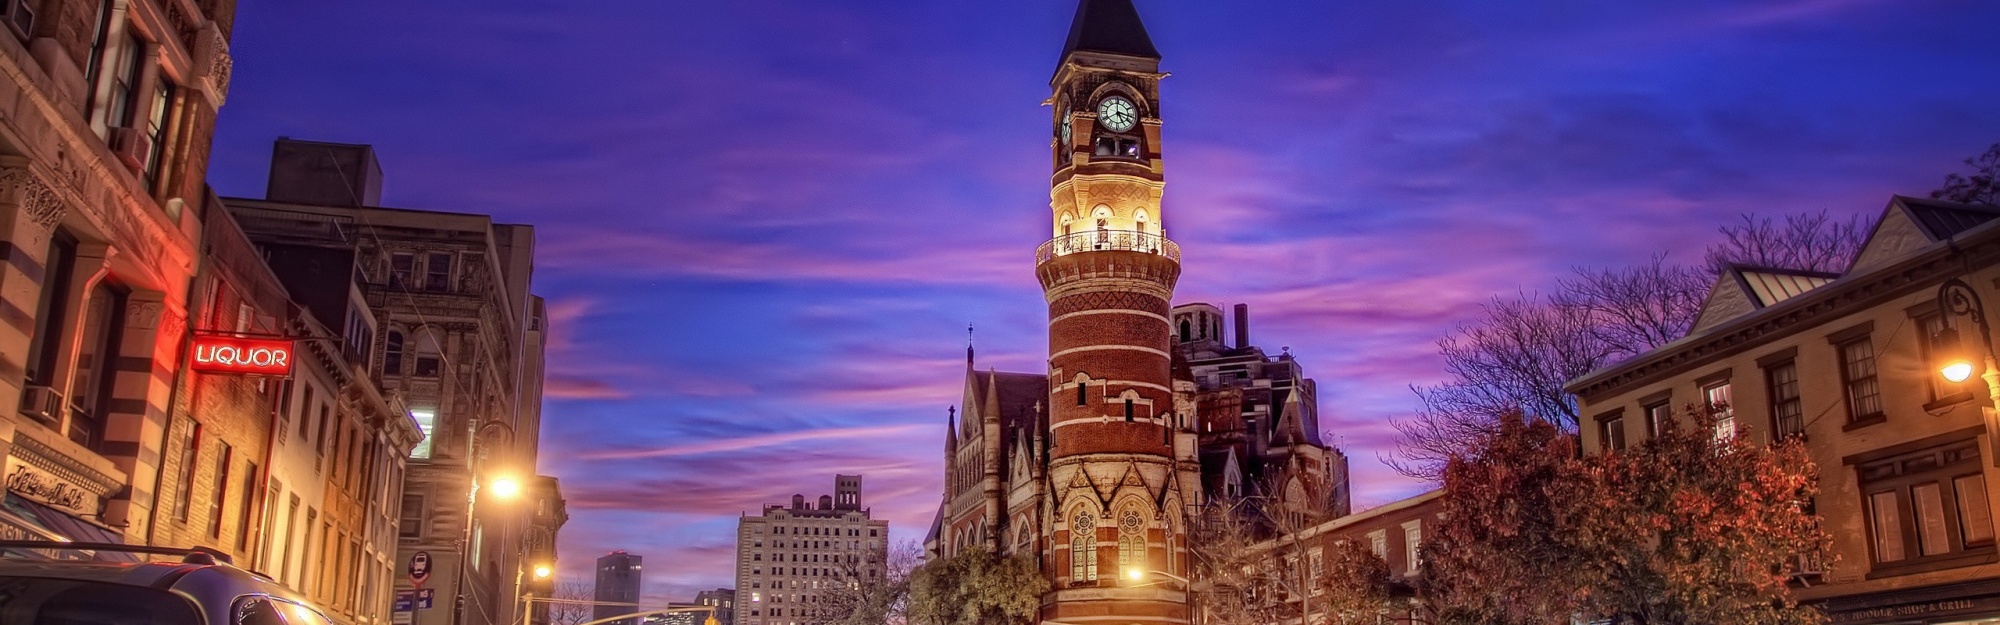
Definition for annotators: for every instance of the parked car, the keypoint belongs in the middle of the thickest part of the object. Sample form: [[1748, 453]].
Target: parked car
[[38, 586]]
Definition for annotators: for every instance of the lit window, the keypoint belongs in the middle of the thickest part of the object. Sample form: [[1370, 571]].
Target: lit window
[[426, 422]]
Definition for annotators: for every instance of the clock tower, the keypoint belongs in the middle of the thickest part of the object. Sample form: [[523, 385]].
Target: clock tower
[[1122, 469]]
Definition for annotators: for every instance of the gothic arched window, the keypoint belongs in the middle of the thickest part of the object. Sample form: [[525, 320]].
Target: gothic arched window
[[1083, 547], [1187, 331], [1131, 541]]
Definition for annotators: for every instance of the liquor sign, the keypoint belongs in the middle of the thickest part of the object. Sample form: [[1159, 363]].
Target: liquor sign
[[214, 353]]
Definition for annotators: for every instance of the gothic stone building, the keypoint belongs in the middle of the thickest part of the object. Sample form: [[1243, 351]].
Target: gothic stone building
[[1092, 467]]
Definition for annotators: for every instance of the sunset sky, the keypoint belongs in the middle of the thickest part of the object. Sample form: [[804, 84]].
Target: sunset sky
[[765, 224]]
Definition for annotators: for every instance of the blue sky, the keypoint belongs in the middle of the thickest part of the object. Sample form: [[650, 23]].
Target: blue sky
[[765, 224]]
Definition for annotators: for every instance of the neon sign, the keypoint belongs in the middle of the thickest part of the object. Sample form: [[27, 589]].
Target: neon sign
[[239, 355]]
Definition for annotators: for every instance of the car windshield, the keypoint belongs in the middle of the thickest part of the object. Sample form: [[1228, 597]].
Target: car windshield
[[49, 601]]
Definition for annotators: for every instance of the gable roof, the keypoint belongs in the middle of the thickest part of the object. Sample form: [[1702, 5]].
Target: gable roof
[[1111, 26], [1744, 289], [1909, 224], [1013, 395]]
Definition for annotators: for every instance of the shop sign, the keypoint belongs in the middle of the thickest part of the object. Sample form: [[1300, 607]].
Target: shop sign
[[1913, 610], [242, 355], [47, 489]]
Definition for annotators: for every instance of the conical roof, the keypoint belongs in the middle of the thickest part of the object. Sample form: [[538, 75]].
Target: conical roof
[[1109, 26]]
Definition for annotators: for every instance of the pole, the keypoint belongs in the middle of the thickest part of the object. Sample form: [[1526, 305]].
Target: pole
[[1955, 297], [473, 460]]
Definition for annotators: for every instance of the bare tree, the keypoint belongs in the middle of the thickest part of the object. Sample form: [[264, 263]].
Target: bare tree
[[867, 592], [1802, 242], [1635, 309], [1251, 561], [1521, 352], [1980, 187], [570, 603]]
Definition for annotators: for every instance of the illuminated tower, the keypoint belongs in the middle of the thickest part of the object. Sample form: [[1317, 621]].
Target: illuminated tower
[[1118, 461]]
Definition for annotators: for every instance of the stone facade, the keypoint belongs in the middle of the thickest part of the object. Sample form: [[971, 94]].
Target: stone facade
[[106, 114], [1906, 459]]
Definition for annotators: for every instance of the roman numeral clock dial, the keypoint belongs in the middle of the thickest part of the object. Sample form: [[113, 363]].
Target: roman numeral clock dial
[[1117, 114]]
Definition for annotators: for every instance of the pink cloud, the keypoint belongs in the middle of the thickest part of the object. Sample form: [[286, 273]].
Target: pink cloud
[[751, 442]]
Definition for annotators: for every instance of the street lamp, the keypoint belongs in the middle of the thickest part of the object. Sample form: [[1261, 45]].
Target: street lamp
[[1955, 363], [503, 487], [542, 571]]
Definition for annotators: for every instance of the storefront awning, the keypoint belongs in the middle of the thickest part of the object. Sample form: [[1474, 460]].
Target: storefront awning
[[40, 522]]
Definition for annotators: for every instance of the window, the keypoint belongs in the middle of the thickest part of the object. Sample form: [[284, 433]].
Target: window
[[49, 313], [1718, 399], [1082, 393], [96, 365], [1131, 540], [1657, 415], [1378, 542], [285, 543], [1128, 410], [392, 354], [319, 441], [125, 82], [1927, 509], [190, 450], [427, 422], [282, 413], [400, 268], [243, 513], [429, 362], [1787, 413], [100, 37], [1083, 548], [306, 409], [1857, 374], [1611, 430], [1413, 540], [437, 272], [221, 491], [156, 128]]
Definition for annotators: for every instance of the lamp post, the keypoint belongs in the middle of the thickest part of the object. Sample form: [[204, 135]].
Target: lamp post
[[1955, 364], [504, 487]]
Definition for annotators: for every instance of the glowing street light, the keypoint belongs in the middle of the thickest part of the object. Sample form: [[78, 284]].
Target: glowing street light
[[542, 571], [1955, 298], [505, 487]]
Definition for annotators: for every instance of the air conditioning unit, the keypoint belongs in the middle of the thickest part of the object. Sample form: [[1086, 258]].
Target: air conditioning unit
[[20, 18], [42, 404], [132, 146]]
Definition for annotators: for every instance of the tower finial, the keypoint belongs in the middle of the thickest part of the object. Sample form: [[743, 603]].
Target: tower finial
[[968, 345]]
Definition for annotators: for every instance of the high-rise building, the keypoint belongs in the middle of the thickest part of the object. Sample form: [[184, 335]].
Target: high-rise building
[[458, 339], [617, 589], [105, 127], [789, 556], [1090, 467]]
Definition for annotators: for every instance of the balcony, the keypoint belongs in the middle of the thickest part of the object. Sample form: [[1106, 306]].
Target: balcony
[[1108, 241]]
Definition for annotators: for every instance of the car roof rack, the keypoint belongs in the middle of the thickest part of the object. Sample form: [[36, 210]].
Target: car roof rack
[[189, 555]]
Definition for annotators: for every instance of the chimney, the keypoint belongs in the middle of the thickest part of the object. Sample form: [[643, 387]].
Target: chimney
[[1242, 326]]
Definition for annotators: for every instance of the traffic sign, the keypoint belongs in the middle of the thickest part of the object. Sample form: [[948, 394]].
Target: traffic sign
[[405, 601], [424, 597], [420, 567]]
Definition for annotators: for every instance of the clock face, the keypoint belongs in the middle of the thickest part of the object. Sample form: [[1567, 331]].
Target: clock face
[[1117, 114]]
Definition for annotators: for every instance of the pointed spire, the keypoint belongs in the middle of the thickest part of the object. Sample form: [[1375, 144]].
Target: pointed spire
[[1110, 26], [950, 430], [968, 347], [1291, 424], [992, 407]]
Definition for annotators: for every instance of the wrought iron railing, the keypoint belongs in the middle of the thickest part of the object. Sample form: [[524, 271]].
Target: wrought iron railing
[[1107, 241]]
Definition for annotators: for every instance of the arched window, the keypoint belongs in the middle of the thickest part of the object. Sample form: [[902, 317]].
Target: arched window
[[1131, 541], [1066, 224], [1140, 220], [1083, 547], [392, 354], [429, 360], [1187, 333]]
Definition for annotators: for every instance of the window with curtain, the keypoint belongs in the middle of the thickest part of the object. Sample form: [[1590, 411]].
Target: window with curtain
[[1927, 509]]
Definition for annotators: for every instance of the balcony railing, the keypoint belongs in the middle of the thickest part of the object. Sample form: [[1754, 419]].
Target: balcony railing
[[1107, 241]]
